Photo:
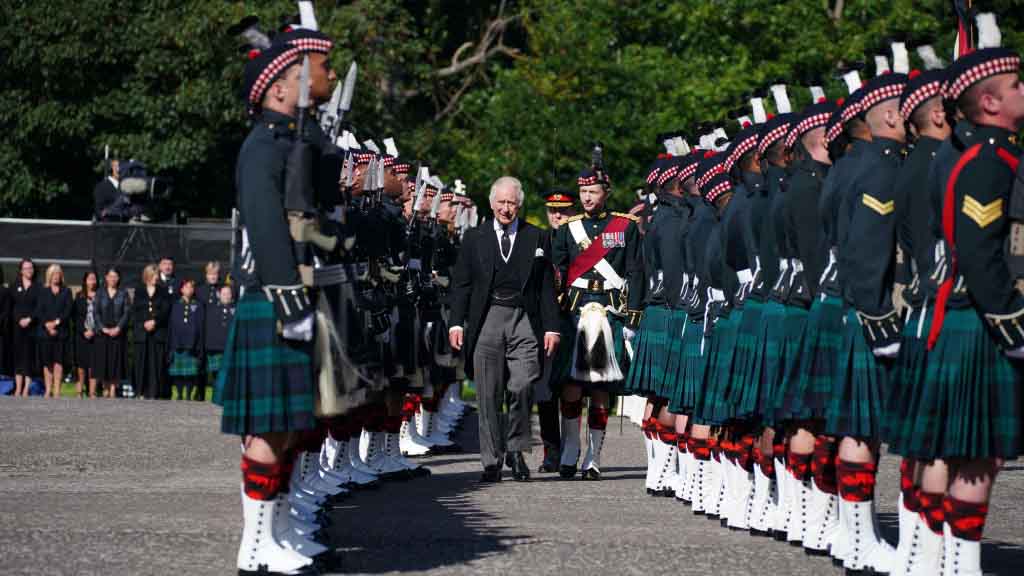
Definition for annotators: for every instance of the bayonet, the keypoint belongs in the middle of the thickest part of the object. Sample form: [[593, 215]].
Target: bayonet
[[328, 112], [348, 89]]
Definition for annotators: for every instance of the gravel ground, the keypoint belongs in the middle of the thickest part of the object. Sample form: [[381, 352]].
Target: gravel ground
[[144, 487]]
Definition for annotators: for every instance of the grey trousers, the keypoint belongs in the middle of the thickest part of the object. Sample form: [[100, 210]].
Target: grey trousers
[[505, 364]]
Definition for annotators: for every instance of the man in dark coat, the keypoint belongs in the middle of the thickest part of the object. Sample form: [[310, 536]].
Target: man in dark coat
[[504, 314]]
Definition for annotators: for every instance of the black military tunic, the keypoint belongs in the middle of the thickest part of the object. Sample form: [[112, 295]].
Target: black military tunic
[[804, 230]]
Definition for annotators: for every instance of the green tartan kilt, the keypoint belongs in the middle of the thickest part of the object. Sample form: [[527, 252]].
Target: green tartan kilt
[[861, 385], [745, 352], [788, 400], [907, 387], [713, 406], [678, 325], [619, 344], [213, 362], [817, 365], [970, 398], [265, 383], [647, 371], [691, 374], [183, 365], [758, 401]]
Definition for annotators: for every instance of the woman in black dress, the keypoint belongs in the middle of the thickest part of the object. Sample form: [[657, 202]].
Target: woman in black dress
[[53, 321], [112, 319], [25, 293], [150, 309], [85, 333], [5, 325]]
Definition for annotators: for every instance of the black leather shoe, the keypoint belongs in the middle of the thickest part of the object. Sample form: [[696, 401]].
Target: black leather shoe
[[591, 474], [550, 463], [520, 470], [567, 472], [510, 461], [491, 474]]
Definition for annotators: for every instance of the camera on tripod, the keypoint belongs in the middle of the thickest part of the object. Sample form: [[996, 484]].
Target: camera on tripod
[[141, 192]]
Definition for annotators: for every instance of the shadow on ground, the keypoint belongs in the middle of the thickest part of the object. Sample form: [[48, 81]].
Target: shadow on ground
[[423, 524]]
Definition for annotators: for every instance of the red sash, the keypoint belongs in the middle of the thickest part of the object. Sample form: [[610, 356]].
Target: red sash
[[596, 251]]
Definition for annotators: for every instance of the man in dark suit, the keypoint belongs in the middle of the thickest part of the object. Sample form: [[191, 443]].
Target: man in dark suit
[[505, 317]]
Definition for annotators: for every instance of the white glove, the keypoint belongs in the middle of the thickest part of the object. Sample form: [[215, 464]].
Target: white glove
[[890, 351], [628, 334], [1017, 353], [300, 330]]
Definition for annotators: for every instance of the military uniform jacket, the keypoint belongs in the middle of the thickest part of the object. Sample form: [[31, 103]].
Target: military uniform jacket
[[186, 326], [836, 185], [915, 240], [868, 257], [804, 230], [702, 220], [736, 242], [939, 173], [216, 321], [764, 231], [624, 256], [979, 212], [778, 181], [144, 308], [720, 278], [665, 252], [266, 259]]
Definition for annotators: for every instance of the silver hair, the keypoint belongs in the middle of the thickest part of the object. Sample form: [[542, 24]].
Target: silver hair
[[508, 181]]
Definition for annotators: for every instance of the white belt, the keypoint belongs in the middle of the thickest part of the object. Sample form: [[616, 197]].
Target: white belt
[[717, 295], [745, 276], [783, 264]]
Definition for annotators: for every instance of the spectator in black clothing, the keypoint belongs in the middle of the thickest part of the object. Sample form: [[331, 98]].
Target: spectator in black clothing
[[208, 293], [5, 325], [217, 318], [168, 283], [113, 308], [85, 333], [53, 328], [26, 294], [150, 311], [107, 197], [186, 344]]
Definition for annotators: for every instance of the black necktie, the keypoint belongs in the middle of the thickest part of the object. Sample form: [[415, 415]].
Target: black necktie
[[506, 243]]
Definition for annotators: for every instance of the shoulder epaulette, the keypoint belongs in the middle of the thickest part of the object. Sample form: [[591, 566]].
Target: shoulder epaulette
[[632, 217], [575, 218]]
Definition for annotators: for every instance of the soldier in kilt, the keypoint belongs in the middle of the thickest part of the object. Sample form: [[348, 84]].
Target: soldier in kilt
[[266, 386], [649, 374], [870, 342], [598, 255], [919, 550], [970, 412], [559, 206]]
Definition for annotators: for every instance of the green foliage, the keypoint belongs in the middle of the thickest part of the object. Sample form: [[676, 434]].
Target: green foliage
[[159, 81]]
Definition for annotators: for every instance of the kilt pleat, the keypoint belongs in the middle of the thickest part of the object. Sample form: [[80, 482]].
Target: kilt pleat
[[906, 391], [183, 365], [788, 399], [817, 365], [691, 375], [759, 403], [672, 386], [745, 353], [861, 386], [647, 370], [265, 383], [713, 407], [970, 401]]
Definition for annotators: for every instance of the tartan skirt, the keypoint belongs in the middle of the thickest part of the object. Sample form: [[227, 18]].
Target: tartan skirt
[[647, 371], [745, 352], [183, 365], [265, 383], [678, 326], [970, 398], [861, 385], [817, 365], [713, 407], [691, 373], [788, 399], [213, 362], [907, 387], [757, 398]]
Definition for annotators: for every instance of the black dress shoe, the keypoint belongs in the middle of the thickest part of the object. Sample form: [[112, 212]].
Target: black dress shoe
[[510, 461], [550, 463], [591, 474], [520, 470], [567, 472], [491, 474]]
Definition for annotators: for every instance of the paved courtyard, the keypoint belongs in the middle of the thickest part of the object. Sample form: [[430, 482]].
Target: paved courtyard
[[143, 487]]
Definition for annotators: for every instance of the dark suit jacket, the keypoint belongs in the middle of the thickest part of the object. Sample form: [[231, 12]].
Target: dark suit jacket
[[474, 276]]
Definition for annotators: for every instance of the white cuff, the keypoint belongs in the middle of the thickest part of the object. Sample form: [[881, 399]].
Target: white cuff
[[559, 334], [454, 328], [301, 330]]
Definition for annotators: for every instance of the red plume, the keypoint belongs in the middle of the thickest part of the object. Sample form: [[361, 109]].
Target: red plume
[[914, 73], [746, 124], [822, 100], [840, 102], [254, 53]]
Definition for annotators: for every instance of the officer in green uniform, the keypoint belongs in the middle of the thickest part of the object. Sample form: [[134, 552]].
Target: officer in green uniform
[[559, 206], [597, 256], [974, 382]]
